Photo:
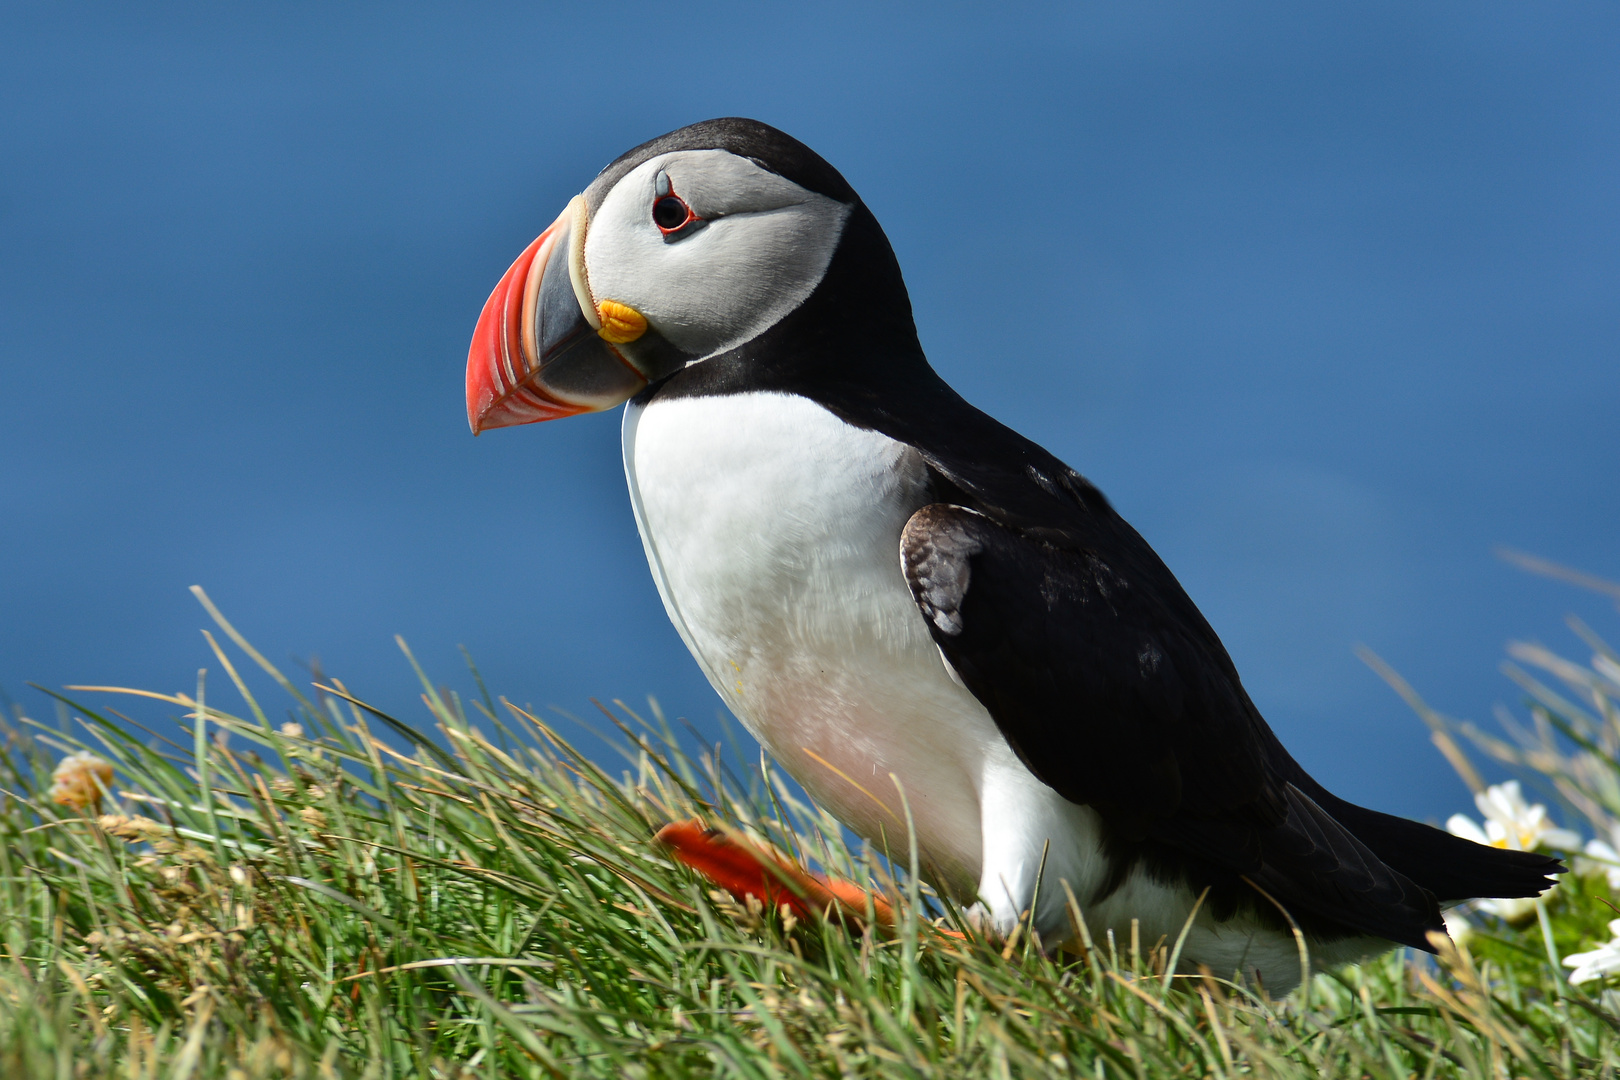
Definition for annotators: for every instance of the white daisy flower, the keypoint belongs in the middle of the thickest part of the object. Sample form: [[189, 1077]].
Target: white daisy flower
[[1601, 961], [1512, 823]]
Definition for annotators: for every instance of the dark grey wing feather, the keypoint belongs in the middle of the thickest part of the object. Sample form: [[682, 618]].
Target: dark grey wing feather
[[935, 554]]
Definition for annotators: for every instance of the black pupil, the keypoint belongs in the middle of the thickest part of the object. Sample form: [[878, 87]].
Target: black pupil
[[669, 212]]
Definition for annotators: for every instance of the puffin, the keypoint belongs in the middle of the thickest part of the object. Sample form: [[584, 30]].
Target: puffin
[[946, 635]]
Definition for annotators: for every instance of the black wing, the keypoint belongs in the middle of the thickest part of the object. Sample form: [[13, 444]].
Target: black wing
[[1112, 700]]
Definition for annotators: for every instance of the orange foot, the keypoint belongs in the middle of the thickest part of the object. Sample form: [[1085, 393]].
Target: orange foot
[[745, 869]]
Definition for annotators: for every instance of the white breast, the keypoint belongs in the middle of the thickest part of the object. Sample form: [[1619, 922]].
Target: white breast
[[773, 529]]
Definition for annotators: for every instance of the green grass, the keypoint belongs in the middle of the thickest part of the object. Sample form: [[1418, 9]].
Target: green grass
[[266, 900]]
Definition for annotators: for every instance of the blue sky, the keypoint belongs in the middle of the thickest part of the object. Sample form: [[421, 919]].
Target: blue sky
[[1323, 296]]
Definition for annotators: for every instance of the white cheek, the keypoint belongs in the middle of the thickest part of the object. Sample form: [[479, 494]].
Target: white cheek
[[725, 283]]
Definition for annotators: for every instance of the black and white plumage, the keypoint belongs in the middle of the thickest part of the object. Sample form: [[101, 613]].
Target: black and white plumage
[[881, 580]]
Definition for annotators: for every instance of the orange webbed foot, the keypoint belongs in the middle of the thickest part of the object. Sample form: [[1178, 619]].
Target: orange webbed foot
[[745, 868]]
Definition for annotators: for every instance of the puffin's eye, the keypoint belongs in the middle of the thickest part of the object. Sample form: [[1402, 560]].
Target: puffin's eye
[[670, 213]]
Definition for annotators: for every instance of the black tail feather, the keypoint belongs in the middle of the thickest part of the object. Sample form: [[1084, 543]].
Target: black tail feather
[[1452, 868]]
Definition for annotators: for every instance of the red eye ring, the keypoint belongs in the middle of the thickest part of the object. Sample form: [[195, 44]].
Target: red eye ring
[[671, 214]]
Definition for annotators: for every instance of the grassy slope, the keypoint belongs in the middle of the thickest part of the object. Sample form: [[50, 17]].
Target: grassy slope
[[274, 903]]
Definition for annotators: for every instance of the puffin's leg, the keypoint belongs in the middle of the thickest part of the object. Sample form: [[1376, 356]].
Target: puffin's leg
[[744, 868], [1035, 843]]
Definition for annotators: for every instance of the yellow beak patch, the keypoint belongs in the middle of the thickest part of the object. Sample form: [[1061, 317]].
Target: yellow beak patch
[[621, 323]]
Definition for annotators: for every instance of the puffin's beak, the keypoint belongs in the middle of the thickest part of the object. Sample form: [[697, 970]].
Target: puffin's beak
[[543, 349]]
